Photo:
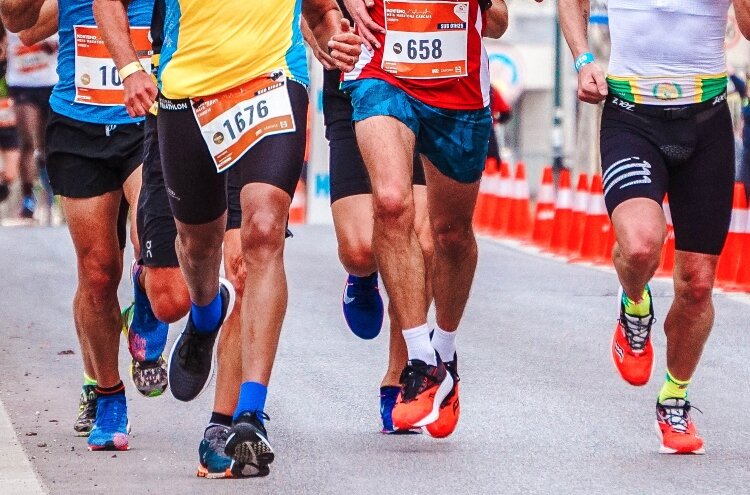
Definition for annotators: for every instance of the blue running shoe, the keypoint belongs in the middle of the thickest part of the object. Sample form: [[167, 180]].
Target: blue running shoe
[[147, 337], [388, 397], [28, 207], [110, 430], [363, 306], [214, 463]]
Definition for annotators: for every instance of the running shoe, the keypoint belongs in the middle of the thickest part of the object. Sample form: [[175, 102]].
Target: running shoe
[[388, 397], [191, 362], [423, 389], [675, 428], [632, 351], [450, 408], [110, 430], [28, 207], [4, 191], [86, 411], [363, 306], [248, 445], [214, 463]]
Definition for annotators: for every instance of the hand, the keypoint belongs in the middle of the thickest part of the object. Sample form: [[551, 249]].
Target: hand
[[358, 9], [328, 62], [345, 48], [592, 85], [140, 93]]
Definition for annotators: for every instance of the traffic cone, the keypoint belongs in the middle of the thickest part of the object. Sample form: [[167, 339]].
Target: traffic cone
[[481, 199], [667, 251], [596, 227], [501, 214], [729, 261], [298, 206], [485, 211], [742, 283], [519, 225], [545, 210], [580, 204], [563, 214]]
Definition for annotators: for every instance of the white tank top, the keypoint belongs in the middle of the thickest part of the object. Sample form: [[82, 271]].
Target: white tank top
[[30, 66], [668, 52]]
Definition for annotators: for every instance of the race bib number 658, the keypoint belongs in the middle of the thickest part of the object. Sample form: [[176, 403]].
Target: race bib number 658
[[235, 120], [426, 40]]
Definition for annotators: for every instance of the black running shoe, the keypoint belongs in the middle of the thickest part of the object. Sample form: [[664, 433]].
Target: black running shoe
[[191, 361], [248, 444], [86, 411]]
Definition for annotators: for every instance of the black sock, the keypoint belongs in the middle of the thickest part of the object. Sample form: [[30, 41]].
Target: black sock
[[117, 389], [220, 419], [28, 188]]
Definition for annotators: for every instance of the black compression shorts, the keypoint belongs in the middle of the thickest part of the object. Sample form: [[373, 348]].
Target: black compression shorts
[[197, 193], [685, 153], [347, 171]]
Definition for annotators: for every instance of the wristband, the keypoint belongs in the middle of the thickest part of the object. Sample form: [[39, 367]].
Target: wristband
[[130, 69], [583, 59]]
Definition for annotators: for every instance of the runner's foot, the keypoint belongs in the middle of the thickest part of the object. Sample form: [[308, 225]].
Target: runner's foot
[[248, 445], [676, 429], [191, 362], [110, 430], [632, 351], [86, 411], [388, 397], [423, 389], [28, 207], [363, 306], [214, 463], [147, 337], [450, 408]]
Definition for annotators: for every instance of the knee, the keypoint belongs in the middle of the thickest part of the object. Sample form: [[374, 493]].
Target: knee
[[393, 206], [168, 294], [357, 257], [199, 248], [694, 287], [453, 236], [263, 235], [642, 249], [99, 278]]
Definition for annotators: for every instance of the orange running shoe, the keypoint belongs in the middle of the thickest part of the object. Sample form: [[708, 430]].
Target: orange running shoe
[[450, 408], [423, 389], [675, 428], [632, 352]]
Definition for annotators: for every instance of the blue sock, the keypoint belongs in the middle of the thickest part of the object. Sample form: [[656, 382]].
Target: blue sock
[[252, 398], [206, 318]]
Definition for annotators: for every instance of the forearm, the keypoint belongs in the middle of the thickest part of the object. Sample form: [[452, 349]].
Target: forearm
[[574, 21], [112, 19], [45, 26], [323, 19], [18, 15], [742, 14], [497, 19]]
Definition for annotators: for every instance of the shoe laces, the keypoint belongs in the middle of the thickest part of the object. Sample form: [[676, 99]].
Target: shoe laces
[[637, 329], [676, 413], [362, 291], [110, 414], [192, 351], [87, 404], [413, 379], [217, 437]]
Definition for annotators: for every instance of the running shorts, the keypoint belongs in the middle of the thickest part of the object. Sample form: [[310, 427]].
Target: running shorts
[[455, 141], [347, 171], [197, 193], [87, 160], [686, 152]]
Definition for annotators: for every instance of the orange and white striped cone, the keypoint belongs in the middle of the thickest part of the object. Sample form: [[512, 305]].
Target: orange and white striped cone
[[545, 210], [298, 206], [488, 203], [742, 282], [563, 214], [729, 261], [596, 227], [519, 225], [504, 193], [580, 205]]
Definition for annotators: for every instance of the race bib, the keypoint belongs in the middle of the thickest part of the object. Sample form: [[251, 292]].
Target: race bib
[[97, 79], [7, 114], [426, 40], [31, 59], [234, 121]]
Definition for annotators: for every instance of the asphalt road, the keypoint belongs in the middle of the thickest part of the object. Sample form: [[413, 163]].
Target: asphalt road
[[543, 410]]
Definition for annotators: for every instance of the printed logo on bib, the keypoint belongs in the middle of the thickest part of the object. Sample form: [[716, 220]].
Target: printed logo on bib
[[234, 121], [426, 40], [96, 77], [7, 114], [32, 59]]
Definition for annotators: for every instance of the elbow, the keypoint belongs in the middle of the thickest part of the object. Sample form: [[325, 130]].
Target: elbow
[[29, 38], [15, 23], [496, 27]]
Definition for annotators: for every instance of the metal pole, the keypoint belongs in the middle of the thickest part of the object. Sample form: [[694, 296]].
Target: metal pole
[[557, 119]]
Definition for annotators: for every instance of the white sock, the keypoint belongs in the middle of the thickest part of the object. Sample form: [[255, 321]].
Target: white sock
[[418, 344], [444, 343]]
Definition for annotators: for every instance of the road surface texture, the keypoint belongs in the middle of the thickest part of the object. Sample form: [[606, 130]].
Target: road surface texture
[[543, 410]]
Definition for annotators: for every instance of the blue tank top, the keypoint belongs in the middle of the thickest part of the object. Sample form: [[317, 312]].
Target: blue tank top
[[89, 88]]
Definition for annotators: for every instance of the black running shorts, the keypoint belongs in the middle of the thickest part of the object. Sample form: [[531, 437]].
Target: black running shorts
[[197, 193], [686, 153], [8, 138], [87, 160], [347, 171]]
